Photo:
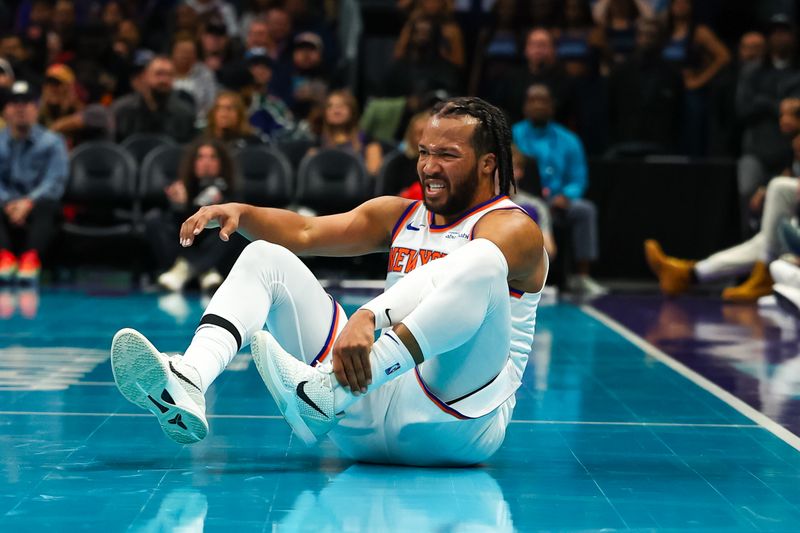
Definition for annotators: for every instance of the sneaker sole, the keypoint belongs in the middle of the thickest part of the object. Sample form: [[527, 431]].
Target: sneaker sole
[[284, 398], [142, 376]]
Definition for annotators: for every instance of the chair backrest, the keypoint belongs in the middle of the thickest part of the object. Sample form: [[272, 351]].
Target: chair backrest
[[267, 178], [295, 151], [396, 173], [159, 169], [332, 180], [102, 174], [141, 144]]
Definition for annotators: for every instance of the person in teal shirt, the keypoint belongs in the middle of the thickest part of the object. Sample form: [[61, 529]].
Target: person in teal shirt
[[562, 166]]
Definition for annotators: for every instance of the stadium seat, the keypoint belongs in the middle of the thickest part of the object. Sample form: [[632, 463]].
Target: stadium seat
[[141, 144], [267, 177], [159, 169], [102, 189], [391, 177], [332, 181]]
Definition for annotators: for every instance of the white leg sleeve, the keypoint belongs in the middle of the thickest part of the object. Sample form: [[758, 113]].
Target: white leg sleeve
[[267, 285]]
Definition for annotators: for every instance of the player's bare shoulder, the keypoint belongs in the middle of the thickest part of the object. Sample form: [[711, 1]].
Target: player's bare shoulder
[[520, 239], [384, 211]]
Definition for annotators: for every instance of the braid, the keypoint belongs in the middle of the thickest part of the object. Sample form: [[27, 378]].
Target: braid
[[491, 136]]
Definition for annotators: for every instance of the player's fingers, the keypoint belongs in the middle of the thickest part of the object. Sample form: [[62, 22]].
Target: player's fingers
[[228, 227], [367, 368], [350, 375], [361, 377], [338, 370]]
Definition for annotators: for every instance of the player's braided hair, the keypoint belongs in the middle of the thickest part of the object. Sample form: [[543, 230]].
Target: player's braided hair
[[492, 134]]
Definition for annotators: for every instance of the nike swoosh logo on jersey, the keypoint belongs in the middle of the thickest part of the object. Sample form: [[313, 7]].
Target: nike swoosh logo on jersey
[[411, 228], [303, 396]]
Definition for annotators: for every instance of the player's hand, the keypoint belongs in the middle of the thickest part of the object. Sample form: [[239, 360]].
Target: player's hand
[[351, 352], [224, 216]]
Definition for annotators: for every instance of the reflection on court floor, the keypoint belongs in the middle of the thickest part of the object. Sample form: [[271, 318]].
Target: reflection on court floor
[[605, 436]]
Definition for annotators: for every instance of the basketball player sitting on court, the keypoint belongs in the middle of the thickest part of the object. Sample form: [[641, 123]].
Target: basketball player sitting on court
[[466, 270]]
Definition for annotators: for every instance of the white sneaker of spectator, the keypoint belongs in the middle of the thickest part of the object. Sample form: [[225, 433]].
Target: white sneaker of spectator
[[584, 285], [176, 277]]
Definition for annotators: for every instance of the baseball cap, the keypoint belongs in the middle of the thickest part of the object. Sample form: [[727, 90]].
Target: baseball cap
[[258, 56], [21, 91], [308, 38], [780, 20], [60, 73]]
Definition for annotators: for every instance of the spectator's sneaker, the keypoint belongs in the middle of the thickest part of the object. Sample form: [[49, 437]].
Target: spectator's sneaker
[[674, 275], [29, 267], [8, 266], [788, 299], [585, 286], [164, 385], [176, 277], [304, 394], [785, 271], [757, 285], [210, 281]]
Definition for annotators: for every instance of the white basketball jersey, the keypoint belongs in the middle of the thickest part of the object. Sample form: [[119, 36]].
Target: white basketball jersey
[[416, 240]]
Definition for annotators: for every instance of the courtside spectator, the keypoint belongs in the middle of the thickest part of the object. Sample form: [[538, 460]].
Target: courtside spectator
[[33, 175], [562, 167], [765, 149], [207, 176]]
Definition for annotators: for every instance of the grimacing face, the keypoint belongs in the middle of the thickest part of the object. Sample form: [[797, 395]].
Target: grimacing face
[[447, 165]]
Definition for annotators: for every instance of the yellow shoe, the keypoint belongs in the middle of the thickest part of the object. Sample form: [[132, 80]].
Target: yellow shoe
[[757, 285], [674, 275]]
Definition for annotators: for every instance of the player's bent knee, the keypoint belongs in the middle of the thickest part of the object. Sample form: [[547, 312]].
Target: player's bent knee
[[260, 254]]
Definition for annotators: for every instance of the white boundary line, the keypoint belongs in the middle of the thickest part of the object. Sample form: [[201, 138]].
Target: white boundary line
[[277, 417], [756, 416]]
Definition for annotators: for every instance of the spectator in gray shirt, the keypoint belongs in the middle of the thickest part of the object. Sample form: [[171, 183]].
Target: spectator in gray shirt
[[33, 175]]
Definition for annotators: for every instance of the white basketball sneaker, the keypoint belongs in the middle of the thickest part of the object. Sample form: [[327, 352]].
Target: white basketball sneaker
[[304, 394], [164, 385]]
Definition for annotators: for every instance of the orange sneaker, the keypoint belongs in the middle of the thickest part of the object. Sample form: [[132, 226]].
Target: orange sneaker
[[29, 267], [8, 266], [757, 285], [674, 275]]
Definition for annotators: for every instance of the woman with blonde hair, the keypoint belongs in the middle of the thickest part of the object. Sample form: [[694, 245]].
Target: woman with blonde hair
[[228, 122]]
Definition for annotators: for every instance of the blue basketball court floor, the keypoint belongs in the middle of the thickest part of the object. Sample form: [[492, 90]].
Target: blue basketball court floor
[[609, 433]]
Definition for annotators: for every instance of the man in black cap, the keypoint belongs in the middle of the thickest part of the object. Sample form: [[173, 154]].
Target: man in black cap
[[268, 113], [766, 151], [33, 175], [310, 81]]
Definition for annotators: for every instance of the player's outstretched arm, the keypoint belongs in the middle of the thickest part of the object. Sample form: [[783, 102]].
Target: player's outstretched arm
[[365, 229]]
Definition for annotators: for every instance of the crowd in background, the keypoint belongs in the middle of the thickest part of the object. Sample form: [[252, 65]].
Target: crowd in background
[[576, 78]]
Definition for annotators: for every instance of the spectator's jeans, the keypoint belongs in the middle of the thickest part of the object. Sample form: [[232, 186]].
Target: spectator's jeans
[[751, 175], [581, 216], [780, 203], [35, 234]]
